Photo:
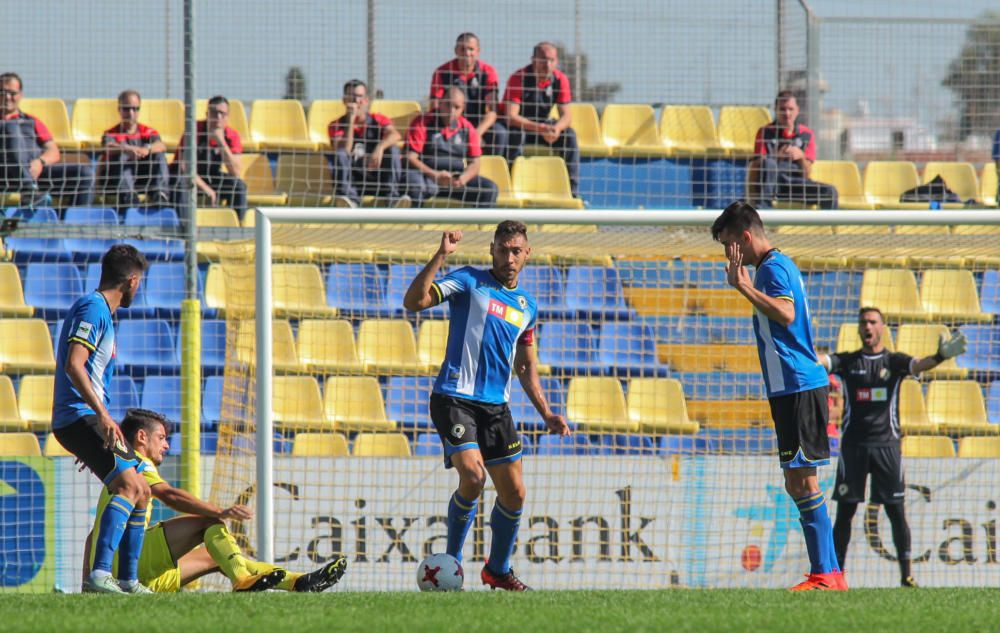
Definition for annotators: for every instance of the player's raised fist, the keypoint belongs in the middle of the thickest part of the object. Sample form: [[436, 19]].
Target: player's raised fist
[[449, 242]]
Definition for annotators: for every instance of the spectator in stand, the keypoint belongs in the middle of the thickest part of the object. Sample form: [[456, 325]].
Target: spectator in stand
[[785, 151], [530, 95], [135, 158], [29, 157], [218, 145], [366, 159], [442, 152], [479, 81]]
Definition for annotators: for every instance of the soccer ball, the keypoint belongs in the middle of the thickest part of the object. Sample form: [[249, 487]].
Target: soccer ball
[[440, 572]]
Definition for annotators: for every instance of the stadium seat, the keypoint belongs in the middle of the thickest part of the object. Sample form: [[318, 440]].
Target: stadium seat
[[26, 347], [629, 349], [322, 112], [547, 286], [218, 217], [919, 340], [988, 185], [12, 293], [495, 168], [327, 347], [398, 280], [151, 216], [124, 395], [401, 112], [407, 399], [630, 130], [298, 291], [894, 291], [229, 289], [563, 445], [166, 116], [657, 405], [913, 418], [990, 291], [523, 411], [19, 444], [848, 339], [354, 403], [355, 289], [237, 121], [280, 124], [387, 346], [320, 445], [147, 346], [35, 249], [298, 405], [213, 346], [10, 417], [427, 445], [729, 413], [927, 446], [833, 294], [432, 342], [381, 445], [255, 170], [722, 385], [284, 354], [55, 116], [958, 408], [162, 394], [53, 448], [951, 295], [711, 357], [689, 130], [542, 181], [588, 130], [306, 179], [979, 447], [886, 180], [34, 402], [844, 175], [690, 300], [738, 127], [166, 288], [597, 405], [622, 444], [595, 292], [568, 347], [91, 117], [959, 177], [982, 352], [211, 401]]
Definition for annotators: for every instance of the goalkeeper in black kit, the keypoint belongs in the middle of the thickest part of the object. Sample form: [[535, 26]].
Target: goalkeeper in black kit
[[870, 430]]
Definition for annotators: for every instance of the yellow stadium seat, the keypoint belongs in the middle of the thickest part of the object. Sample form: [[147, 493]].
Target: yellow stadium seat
[[988, 185], [951, 295], [844, 175], [355, 403], [894, 291], [53, 448], [237, 120], [960, 178], [21, 444], [299, 291], [166, 116], [927, 446], [958, 408], [387, 346], [738, 127], [54, 115], [432, 341], [848, 339], [495, 168], [710, 357], [657, 406], [588, 130], [921, 339], [689, 130], [280, 124], [322, 112], [255, 170], [631, 131], [306, 179], [886, 180], [979, 447], [12, 293], [297, 404], [284, 357], [381, 445], [913, 418], [319, 445], [543, 181], [730, 414], [34, 402], [917, 229], [597, 404], [328, 347], [217, 217], [401, 112], [10, 417], [681, 301], [91, 117], [26, 346]]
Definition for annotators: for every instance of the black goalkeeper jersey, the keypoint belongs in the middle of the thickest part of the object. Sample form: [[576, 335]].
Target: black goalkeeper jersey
[[871, 396]]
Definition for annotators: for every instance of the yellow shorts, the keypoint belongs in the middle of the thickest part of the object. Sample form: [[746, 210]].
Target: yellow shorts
[[157, 569]]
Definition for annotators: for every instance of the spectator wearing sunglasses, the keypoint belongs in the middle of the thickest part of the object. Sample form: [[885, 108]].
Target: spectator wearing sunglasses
[[134, 158]]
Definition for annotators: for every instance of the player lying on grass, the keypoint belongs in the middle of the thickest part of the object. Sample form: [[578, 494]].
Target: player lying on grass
[[172, 553]]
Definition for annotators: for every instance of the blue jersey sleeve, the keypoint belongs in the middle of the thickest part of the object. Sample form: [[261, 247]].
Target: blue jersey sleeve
[[454, 283], [86, 326], [775, 281]]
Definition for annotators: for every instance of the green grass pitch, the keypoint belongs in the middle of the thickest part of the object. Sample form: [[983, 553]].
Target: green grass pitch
[[673, 611]]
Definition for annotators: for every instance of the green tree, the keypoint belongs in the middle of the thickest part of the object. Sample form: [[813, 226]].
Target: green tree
[[974, 77], [295, 84]]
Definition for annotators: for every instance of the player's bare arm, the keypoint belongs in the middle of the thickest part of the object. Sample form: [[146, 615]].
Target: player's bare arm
[[183, 501], [76, 370], [778, 310], [526, 366], [471, 171], [419, 295]]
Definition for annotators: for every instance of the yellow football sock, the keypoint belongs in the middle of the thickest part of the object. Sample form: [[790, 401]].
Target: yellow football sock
[[226, 553], [288, 584]]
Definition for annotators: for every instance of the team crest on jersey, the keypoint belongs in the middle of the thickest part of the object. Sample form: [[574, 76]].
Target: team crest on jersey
[[884, 374], [523, 302]]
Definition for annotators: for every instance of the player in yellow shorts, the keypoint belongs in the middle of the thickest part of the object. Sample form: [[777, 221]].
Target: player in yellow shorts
[[185, 548]]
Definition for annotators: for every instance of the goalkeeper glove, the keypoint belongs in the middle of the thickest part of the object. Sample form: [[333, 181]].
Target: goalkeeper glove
[[950, 347]]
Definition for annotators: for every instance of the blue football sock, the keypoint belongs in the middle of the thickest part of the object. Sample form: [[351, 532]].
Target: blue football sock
[[504, 523], [131, 545], [818, 532], [109, 532], [461, 516]]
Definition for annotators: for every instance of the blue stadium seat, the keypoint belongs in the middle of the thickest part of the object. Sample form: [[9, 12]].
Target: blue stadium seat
[[983, 347], [36, 249], [576, 444], [722, 386], [684, 445], [211, 402], [356, 289], [993, 403], [524, 413], [159, 250], [546, 285], [165, 288], [833, 295], [989, 292], [596, 292], [629, 349], [407, 400], [138, 309], [731, 330], [52, 288], [699, 274], [625, 445], [163, 394], [645, 273], [700, 329], [569, 347], [85, 249], [209, 442], [151, 216], [90, 215], [213, 347], [427, 444], [400, 276], [527, 446], [155, 249], [752, 441], [174, 441], [147, 347], [124, 395]]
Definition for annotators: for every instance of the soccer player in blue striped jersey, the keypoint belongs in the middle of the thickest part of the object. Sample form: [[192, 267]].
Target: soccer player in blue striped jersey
[[796, 382], [490, 335]]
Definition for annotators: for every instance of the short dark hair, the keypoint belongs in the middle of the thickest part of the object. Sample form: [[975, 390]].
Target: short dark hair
[[784, 94], [864, 309], [120, 262], [468, 35], [354, 83], [739, 216], [144, 419], [125, 94], [4, 78], [217, 99], [539, 46], [508, 229]]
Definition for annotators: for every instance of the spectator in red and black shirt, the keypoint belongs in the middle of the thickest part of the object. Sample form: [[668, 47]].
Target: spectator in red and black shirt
[[442, 152], [479, 81], [785, 151], [135, 158], [29, 157], [366, 159], [531, 93], [218, 145]]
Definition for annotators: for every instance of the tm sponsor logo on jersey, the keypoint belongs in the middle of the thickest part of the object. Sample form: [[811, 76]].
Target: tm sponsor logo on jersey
[[505, 312], [877, 394]]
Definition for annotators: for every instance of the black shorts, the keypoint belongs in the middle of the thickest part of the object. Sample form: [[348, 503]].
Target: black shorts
[[800, 421], [466, 424], [83, 439], [884, 463]]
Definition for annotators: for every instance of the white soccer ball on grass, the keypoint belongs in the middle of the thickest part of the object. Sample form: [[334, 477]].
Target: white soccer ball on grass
[[440, 572]]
